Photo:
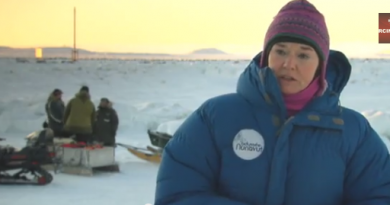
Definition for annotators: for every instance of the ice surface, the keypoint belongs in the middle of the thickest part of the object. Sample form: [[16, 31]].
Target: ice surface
[[146, 94]]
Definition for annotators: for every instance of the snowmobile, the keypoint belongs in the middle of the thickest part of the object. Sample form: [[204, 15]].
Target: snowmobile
[[152, 154], [159, 139], [79, 158], [29, 161]]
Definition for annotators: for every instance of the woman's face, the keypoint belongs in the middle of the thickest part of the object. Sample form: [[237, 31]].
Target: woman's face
[[294, 65]]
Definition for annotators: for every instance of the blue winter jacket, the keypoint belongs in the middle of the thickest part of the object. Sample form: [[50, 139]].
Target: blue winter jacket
[[324, 155]]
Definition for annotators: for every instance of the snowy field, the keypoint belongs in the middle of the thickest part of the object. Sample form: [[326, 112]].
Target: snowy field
[[146, 94]]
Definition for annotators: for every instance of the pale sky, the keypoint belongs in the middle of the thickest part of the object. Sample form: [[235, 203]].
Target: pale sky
[[176, 26]]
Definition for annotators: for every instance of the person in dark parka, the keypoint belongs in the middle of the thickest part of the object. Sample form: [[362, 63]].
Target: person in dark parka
[[106, 123], [55, 109]]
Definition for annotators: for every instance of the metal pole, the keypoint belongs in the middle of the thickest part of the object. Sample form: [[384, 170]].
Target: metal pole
[[74, 35]]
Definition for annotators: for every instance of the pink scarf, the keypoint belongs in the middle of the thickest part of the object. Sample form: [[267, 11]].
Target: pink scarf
[[295, 102]]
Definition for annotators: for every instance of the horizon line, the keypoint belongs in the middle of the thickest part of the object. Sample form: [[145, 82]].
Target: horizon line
[[125, 52], [372, 49]]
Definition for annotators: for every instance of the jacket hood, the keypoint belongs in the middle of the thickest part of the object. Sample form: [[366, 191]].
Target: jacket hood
[[83, 95], [260, 87], [52, 98], [338, 71], [109, 106]]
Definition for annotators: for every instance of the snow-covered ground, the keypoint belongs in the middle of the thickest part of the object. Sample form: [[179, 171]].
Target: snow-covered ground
[[146, 94]]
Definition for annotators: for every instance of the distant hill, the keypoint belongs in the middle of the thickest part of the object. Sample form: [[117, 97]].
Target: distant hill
[[208, 51], [4, 47]]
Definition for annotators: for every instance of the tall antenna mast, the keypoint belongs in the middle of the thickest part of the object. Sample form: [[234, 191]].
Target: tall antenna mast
[[74, 52]]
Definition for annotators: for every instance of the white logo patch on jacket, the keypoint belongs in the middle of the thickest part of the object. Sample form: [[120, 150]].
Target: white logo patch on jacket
[[248, 144]]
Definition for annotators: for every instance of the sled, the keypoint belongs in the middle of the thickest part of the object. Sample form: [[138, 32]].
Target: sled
[[28, 160], [86, 160], [159, 139], [76, 158], [149, 154]]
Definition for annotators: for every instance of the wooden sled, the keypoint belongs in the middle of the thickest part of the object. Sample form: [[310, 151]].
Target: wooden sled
[[149, 154]]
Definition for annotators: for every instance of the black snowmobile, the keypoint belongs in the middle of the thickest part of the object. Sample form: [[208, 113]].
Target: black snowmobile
[[159, 139], [28, 160]]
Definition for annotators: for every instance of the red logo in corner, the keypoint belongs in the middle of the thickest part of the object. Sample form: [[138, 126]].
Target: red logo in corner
[[384, 28]]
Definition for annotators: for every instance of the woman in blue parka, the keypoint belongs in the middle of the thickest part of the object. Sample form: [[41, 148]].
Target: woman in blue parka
[[283, 138]]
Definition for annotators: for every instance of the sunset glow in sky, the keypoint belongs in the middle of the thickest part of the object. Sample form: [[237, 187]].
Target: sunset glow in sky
[[174, 26]]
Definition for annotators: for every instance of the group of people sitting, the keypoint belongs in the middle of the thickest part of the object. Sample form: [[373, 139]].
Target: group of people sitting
[[80, 119]]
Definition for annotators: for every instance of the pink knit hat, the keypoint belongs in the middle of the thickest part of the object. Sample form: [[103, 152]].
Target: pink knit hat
[[300, 20]]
